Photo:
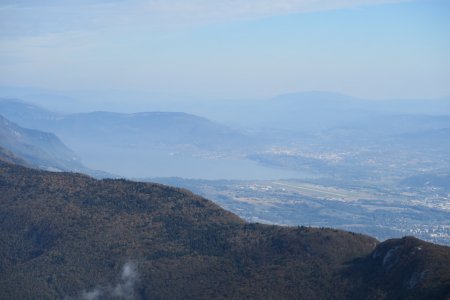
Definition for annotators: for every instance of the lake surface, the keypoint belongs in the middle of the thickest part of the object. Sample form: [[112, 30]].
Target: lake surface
[[156, 163]]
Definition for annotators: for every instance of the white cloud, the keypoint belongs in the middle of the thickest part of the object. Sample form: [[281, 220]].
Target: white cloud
[[250, 8], [125, 289], [51, 16]]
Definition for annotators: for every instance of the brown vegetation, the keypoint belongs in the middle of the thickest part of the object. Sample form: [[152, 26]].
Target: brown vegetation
[[62, 234]]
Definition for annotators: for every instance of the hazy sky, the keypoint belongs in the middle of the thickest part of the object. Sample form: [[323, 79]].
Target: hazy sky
[[233, 48]]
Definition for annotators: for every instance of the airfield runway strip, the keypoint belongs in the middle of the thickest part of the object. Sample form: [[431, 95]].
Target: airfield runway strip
[[310, 189]]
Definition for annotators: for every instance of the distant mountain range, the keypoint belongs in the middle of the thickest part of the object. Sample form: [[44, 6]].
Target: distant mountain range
[[312, 115], [108, 128], [225, 110], [316, 111], [68, 236], [38, 149], [143, 144], [313, 111]]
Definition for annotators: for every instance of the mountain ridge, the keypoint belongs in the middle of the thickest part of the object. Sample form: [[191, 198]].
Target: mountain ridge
[[125, 128]]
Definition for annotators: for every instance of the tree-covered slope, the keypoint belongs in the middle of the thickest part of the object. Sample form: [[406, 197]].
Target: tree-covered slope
[[70, 236]]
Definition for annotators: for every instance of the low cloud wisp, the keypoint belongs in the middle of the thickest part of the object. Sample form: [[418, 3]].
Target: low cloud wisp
[[124, 289]]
